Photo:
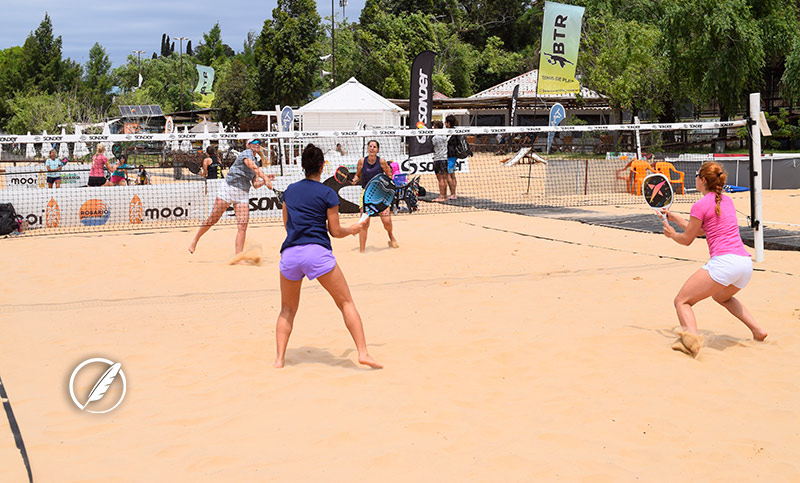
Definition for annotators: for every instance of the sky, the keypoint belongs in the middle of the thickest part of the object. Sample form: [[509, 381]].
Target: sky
[[124, 26]]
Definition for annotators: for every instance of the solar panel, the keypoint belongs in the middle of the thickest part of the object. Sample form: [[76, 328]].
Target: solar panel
[[141, 111]]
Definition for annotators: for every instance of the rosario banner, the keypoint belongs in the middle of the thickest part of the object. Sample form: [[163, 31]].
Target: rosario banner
[[561, 35], [204, 85]]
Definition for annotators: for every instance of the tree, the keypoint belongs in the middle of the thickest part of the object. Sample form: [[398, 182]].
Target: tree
[[715, 51], [36, 111], [97, 78], [189, 48], [160, 82], [11, 79], [777, 22], [623, 60], [212, 47], [287, 53], [164, 45], [234, 93], [42, 67], [790, 81]]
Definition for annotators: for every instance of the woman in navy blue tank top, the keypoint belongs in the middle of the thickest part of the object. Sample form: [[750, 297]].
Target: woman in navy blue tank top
[[368, 168]]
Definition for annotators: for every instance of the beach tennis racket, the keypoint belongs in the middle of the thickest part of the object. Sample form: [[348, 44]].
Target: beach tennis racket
[[193, 167], [341, 175], [657, 192], [278, 194], [377, 196]]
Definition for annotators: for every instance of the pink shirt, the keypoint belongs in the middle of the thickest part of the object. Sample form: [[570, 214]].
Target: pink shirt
[[722, 232], [97, 165]]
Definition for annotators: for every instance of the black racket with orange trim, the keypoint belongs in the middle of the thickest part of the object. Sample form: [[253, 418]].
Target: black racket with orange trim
[[657, 192]]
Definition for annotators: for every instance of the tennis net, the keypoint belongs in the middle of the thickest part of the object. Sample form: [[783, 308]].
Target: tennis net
[[509, 168]]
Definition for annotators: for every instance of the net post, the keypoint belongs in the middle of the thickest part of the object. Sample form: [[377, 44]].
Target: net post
[[755, 176]]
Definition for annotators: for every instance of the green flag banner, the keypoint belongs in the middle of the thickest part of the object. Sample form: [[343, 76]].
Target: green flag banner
[[561, 35], [204, 85]]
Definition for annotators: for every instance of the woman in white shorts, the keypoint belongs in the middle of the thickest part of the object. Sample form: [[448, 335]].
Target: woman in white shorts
[[730, 266], [244, 172]]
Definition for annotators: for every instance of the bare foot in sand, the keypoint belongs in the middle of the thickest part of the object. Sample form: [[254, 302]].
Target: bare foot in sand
[[692, 342], [439, 199], [452, 197], [192, 246], [369, 361], [678, 346], [760, 336], [278, 363], [247, 257], [393, 244]]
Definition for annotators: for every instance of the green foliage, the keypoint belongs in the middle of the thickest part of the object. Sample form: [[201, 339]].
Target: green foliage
[[37, 111], [790, 82], [212, 47], [623, 60], [235, 94], [97, 78], [11, 79], [287, 54], [715, 51], [42, 67], [783, 131], [161, 82]]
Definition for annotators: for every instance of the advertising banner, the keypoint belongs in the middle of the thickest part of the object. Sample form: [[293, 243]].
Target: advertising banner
[[421, 103], [561, 35]]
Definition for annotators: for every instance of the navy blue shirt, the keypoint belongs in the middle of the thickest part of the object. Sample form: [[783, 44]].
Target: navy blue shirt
[[307, 204], [369, 171]]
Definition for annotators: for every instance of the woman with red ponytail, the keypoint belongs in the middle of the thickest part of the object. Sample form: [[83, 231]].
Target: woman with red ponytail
[[730, 267]]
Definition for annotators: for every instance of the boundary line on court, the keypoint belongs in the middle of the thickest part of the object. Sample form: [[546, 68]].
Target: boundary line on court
[[568, 242], [12, 421]]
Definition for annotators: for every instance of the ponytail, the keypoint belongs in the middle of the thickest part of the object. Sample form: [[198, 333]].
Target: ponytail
[[715, 178]]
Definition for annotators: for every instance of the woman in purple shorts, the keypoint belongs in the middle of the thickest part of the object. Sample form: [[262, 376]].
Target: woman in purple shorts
[[730, 266], [310, 212]]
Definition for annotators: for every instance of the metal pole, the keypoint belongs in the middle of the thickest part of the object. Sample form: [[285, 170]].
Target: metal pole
[[181, 57], [139, 55], [755, 175], [333, 45]]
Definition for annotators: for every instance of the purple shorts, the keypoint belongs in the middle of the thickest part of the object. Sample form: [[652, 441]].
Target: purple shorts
[[310, 260]]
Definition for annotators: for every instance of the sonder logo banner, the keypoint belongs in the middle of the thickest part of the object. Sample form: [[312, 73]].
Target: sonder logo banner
[[421, 103], [561, 35]]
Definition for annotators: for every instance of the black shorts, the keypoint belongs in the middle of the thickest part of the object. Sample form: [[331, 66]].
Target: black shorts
[[440, 167], [53, 180], [96, 181]]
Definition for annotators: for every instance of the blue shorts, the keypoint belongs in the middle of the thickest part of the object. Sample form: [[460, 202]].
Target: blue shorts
[[451, 165], [310, 260]]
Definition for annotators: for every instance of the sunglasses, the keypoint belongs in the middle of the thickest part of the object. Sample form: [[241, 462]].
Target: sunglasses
[[697, 174]]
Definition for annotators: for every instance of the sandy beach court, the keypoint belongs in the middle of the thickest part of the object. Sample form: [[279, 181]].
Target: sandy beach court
[[515, 349]]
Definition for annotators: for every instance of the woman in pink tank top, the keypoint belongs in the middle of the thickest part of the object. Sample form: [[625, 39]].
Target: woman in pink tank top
[[729, 268]]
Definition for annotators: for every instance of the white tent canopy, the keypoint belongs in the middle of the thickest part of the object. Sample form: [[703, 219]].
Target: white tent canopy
[[348, 106]]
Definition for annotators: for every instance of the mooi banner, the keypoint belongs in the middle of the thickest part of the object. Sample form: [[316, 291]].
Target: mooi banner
[[561, 35], [27, 177], [108, 207]]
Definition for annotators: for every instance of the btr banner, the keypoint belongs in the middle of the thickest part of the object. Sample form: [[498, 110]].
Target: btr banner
[[561, 35], [421, 103], [205, 83]]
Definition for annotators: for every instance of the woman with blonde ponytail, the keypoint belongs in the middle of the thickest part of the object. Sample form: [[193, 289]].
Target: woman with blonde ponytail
[[730, 267]]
